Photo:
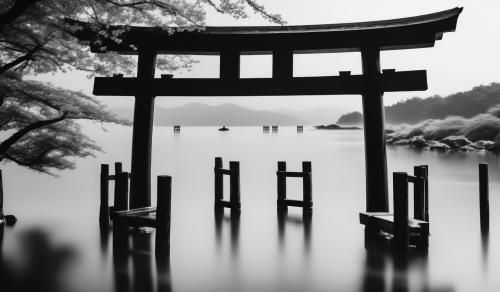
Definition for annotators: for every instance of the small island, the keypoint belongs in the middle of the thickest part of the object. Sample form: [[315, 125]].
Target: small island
[[335, 127]]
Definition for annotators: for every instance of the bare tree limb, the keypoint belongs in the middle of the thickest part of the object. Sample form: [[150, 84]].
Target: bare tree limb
[[20, 6], [6, 144]]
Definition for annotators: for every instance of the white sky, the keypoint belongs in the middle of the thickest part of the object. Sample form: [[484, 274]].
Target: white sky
[[462, 60]]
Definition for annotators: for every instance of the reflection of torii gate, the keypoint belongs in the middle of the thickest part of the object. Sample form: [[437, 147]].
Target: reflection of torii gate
[[283, 41]]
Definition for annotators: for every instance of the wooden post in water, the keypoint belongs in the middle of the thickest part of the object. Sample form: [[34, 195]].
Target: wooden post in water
[[104, 208], [373, 114], [1, 200], [307, 186], [281, 185], [401, 229], [234, 191], [419, 193], [164, 200], [484, 208], [121, 191], [426, 190], [218, 182]]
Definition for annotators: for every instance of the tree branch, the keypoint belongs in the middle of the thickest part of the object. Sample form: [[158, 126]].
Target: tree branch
[[5, 145], [33, 161], [20, 6], [16, 62]]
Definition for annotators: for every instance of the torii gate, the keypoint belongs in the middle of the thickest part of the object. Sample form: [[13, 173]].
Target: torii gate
[[283, 42]]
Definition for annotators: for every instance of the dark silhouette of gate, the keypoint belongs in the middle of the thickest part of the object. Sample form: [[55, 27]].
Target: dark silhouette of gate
[[282, 42]]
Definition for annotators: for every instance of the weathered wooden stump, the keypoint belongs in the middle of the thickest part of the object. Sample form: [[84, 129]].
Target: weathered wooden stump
[[306, 175], [177, 129], [300, 129], [265, 129]]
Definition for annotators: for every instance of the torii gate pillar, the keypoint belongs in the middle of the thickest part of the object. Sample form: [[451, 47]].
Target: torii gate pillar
[[377, 199], [142, 136]]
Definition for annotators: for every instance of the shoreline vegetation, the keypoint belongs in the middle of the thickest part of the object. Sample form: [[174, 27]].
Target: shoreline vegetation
[[464, 121]]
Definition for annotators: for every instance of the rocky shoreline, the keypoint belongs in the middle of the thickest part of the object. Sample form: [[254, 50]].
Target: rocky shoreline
[[450, 143]]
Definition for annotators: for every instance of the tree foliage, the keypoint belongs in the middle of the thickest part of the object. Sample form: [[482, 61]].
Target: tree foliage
[[37, 119]]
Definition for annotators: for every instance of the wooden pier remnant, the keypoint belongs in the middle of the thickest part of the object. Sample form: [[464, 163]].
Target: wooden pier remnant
[[306, 174], [300, 129], [157, 217], [121, 192], [234, 184], [177, 129], [265, 129], [484, 205], [405, 231], [275, 129]]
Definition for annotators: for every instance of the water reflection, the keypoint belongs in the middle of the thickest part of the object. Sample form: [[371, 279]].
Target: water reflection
[[134, 267], [306, 220], [39, 267], [234, 223], [390, 270]]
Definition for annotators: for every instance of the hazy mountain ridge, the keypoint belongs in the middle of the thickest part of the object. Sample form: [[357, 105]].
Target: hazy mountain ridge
[[199, 114], [464, 104]]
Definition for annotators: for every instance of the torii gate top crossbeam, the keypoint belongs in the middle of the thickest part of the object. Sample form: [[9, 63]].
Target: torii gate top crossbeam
[[412, 32]]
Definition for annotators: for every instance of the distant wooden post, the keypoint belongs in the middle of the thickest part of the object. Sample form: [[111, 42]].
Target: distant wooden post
[[300, 129], [164, 196], [275, 129], [121, 191], [234, 182], [419, 193], [218, 185], [401, 228], [265, 129], [281, 185], [104, 208], [307, 186], [484, 208]]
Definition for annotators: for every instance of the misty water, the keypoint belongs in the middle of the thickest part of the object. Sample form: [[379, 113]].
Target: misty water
[[57, 244]]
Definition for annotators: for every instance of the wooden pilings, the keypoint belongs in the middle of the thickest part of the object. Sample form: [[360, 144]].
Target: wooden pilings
[[306, 175], [121, 191], [300, 129], [275, 129], [484, 208], [265, 129], [406, 231], [177, 129], [234, 182]]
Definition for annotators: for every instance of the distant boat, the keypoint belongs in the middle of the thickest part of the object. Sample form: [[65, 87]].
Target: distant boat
[[223, 128]]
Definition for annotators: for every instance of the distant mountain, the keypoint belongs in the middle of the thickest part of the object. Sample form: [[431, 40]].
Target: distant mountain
[[465, 104], [315, 116], [352, 118], [199, 114]]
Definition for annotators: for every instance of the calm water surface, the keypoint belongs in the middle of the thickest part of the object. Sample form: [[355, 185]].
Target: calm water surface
[[57, 244]]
